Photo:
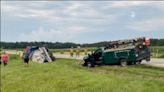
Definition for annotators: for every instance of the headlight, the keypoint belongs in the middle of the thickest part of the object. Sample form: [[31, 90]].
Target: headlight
[[136, 55]]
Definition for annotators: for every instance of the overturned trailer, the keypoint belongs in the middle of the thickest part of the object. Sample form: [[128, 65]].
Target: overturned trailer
[[40, 54]]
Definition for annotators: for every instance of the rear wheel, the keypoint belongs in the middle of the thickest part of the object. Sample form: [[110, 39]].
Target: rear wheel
[[147, 59], [123, 62], [139, 62]]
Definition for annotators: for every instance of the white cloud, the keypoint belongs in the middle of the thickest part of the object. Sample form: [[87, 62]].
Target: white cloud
[[74, 10], [27, 9], [133, 14], [5, 7], [148, 25], [127, 4], [81, 17], [66, 34]]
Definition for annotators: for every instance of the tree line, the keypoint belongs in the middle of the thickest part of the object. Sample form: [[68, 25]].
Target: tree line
[[60, 45]]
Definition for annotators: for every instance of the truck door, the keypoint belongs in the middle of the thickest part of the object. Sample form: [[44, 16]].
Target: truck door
[[109, 58], [97, 55], [122, 54]]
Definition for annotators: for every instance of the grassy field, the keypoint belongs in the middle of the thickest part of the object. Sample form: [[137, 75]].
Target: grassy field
[[157, 51], [66, 75]]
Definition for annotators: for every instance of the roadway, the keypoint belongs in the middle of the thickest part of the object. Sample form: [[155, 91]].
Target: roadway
[[153, 62]]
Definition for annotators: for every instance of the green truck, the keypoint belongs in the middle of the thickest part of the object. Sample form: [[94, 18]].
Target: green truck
[[119, 52]]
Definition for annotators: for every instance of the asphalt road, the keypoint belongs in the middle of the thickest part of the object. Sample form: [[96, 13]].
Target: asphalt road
[[153, 62]]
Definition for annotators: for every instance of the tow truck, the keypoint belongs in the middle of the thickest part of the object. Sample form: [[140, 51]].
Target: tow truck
[[123, 52]]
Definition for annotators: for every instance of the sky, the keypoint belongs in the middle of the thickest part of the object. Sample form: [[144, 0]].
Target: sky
[[80, 21]]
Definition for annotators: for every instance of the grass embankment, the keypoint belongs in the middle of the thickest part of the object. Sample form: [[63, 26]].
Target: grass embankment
[[157, 51], [66, 75]]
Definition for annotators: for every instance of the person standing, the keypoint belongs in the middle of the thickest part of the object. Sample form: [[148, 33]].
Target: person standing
[[85, 51], [26, 55], [78, 51], [20, 53], [0, 59], [4, 58], [71, 52]]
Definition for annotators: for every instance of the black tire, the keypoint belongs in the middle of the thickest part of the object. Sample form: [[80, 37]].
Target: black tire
[[85, 64], [123, 62], [134, 63], [53, 58], [90, 64], [139, 62], [130, 63], [147, 59]]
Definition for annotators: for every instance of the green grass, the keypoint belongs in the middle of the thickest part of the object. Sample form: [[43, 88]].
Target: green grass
[[65, 75], [157, 51]]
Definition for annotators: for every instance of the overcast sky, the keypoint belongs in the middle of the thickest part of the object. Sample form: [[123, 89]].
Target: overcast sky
[[80, 21]]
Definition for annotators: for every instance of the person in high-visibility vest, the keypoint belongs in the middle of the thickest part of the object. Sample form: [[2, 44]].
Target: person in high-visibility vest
[[71, 52], [85, 51], [78, 51], [20, 54]]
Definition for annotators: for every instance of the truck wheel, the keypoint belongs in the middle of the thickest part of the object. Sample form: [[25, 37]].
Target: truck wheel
[[92, 65], [147, 59], [85, 64], [123, 62], [89, 64], [130, 63], [139, 62]]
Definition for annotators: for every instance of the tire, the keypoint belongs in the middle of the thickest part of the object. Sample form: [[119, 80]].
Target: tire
[[123, 62], [53, 58], [89, 64], [130, 63], [139, 62], [85, 64], [147, 59]]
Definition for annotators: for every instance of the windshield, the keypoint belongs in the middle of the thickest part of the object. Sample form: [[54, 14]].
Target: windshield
[[97, 51]]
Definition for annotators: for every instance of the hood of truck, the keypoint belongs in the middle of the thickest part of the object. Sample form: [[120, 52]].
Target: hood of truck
[[85, 57]]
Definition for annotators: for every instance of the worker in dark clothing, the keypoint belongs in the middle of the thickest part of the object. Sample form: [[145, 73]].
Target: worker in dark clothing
[[26, 55]]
